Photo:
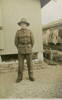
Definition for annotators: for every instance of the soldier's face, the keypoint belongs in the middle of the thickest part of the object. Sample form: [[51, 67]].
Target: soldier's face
[[23, 25]]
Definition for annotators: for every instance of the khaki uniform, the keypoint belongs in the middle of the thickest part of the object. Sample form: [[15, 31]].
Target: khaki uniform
[[24, 42]]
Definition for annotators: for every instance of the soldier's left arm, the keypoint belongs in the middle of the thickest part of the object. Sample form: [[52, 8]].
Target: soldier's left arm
[[32, 39]]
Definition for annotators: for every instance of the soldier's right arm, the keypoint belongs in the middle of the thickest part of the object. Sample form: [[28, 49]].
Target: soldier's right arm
[[16, 39]]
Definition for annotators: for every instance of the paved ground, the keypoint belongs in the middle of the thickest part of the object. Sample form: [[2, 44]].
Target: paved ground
[[47, 84]]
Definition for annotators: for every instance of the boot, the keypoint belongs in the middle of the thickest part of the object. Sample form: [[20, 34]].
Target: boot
[[31, 76], [32, 79], [18, 80]]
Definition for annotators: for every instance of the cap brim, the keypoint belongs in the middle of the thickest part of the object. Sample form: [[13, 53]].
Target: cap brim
[[19, 23]]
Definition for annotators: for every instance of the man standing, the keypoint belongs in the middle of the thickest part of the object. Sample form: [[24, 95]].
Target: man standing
[[24, 42]]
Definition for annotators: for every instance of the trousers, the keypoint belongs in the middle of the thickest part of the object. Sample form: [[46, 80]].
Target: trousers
[[21, 58]]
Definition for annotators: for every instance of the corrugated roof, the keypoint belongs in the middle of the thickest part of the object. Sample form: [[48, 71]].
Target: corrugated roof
[[53, 24]]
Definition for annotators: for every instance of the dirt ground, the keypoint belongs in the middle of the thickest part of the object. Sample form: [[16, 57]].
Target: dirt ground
[[47, 84]]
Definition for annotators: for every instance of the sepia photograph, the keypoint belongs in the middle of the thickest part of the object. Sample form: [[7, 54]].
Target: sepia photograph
[[31, 49]]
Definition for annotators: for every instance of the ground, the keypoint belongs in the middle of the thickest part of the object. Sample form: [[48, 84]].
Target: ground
[[47, 84]]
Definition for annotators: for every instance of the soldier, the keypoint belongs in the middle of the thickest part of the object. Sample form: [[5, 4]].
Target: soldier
[[24, 42]]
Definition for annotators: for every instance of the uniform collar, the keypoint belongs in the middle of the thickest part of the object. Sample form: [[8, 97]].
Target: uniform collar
[[23, 28]]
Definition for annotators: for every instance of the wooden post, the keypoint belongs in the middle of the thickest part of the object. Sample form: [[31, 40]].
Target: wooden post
[[0, 59], [51, 54]]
